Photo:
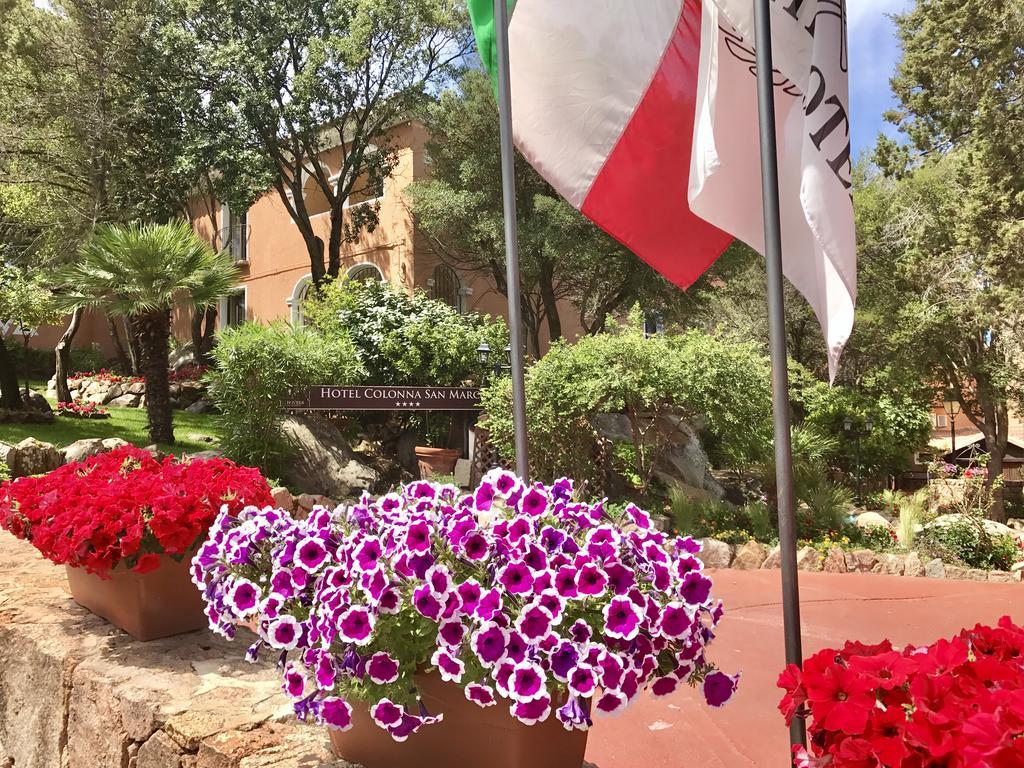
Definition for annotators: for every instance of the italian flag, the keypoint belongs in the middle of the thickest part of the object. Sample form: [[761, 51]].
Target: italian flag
[[604, 94]]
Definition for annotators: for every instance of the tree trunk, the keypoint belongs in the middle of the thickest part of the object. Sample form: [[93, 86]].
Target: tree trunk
[[10, 394], [134, 351], [203, 323], [63, 354], [124, 362], [153, 331], [547, 295]]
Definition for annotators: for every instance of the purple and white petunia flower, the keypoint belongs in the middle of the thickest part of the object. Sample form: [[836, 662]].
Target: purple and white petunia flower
[[448, 666], [719, 687], [243, 598], [489, 643], [534, 623], [310, 554], [528, 682], [481, 695], [382, 669], [591, 581], [610, 702], [533, 711], [516, 578], [386, 714], [284, 633], [451, 633], [582, 680], [355, 625]]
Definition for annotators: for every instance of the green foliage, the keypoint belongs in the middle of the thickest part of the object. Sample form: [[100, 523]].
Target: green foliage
[[720, 520], [256, 368], [966, 542], [403, 339], [911, 510], [652, 382], [143, 268], [38, 363]]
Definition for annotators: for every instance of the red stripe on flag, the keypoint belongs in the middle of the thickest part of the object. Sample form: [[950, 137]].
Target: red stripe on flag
[[639, 197]]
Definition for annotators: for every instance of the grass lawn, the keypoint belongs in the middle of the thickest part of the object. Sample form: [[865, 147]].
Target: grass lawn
[[127, 423]]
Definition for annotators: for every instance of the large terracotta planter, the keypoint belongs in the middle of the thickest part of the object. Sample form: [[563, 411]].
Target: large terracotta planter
[[147, 606], [436, 461], [468, 737]]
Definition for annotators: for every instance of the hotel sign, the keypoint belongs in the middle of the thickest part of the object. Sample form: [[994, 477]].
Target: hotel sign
[[327, 397]]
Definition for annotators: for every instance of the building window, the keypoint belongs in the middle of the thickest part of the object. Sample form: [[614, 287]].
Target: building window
[[235, 233], [313, 196], [923, 459], [368, 186], [365, 273], [232, 308], [653, 324], [444, 285], [298, 298], [940, 421]]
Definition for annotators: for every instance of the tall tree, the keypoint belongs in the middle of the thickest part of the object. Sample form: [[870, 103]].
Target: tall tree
[[288, 82], [562, 255], [140, 272]]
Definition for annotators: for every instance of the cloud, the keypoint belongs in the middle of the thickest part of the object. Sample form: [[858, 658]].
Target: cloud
[[871, 12]]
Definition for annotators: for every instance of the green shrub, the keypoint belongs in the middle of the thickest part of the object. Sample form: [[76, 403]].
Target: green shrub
[[652, 382], [403, 339], [720, 520], [256, 368], [966, 542]]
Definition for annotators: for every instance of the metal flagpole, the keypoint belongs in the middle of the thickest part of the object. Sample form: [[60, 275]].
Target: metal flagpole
[[508, 188], [777, 339]]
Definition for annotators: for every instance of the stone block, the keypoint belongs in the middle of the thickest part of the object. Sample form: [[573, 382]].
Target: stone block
[[912, 565], [935, 569], [1004, 577], [715, 553], [889, 564], [774, 558], [750, 556], [808, 559], [125, 401], [835, 561], [33, 457], [228, 749], [283, 498], [463, 469], [863, 560], [159, 751]]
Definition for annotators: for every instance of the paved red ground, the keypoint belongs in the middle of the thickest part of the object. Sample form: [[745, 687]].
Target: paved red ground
[[680, 731]]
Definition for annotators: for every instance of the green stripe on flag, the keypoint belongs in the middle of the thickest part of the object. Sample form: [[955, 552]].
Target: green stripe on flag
[[481, 13]]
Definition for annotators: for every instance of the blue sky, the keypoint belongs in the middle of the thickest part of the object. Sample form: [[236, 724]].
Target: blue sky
[[873, 56]]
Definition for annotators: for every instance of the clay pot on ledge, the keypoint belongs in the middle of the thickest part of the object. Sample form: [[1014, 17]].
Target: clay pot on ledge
[[148, 606], [468, 737], [436, 461]]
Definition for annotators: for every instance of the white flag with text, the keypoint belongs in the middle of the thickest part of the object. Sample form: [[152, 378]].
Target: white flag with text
[[812, 109]]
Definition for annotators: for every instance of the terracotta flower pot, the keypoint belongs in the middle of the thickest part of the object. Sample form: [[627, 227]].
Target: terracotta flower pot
[[436, 461], [468, 737], [148, 606]]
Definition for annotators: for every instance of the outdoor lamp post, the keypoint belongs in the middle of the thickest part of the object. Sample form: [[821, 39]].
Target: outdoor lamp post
[[857, 434], [952, 409], [498, 366]]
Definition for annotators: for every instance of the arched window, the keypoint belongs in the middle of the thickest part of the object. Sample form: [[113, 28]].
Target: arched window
[[313, 194], [364, 273], [298, 298], [444, 285]]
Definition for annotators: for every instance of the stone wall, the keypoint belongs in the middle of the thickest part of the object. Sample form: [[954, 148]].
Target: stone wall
[[129, 393], [77, 693]]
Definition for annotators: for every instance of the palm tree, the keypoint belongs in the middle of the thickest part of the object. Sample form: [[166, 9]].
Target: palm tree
[[142, 271]]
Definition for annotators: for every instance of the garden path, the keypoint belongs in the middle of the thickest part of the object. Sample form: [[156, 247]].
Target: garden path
[[680, 731]]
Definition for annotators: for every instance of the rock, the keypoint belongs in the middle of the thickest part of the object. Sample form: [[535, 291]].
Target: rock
[[110, 443], [715, 554], [38, 403], [202, 405], [1004, 577], [136, 388], [750, 556], [774, 559], [283, 498], [863, 560], [463, 471], [80, 450], [872, 520], [114, 391], [199, 437], [210, 454], [890, 564], [835, 561], [306, 501], [966, 574], [808, 559], [323, 462], [991, 526], [97, 398], [159, 751], [935, 569], [125, 401], [1016, 523], [33, 457], [1015, 567], [5, 451], [912, 565]]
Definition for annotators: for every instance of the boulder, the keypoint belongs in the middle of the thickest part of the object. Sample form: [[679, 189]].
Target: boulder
[[935, 569], [37, 402], [808, 559], [208, 454], [136, 388], [125, 401], [80, 450], [863, 560], [114, 391], [774, 559], [912, 565], [33, 457], [1004, 577], [110, 443], [202, 405], [322, 461], [305, 502], [991, 526], [750, 556], [890, 564], [1015, 567], [966, 574], [283, 498], [835, 561], [715, 554], [872, 520]]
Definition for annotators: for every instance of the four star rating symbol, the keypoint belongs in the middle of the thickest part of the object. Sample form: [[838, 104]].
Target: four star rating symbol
[[409, 404]]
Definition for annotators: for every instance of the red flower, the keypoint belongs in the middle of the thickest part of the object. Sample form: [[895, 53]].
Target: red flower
[[146, 563], [841, 699], [791, 681]]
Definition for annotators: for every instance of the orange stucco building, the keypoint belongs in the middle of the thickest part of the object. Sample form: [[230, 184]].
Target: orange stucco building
[[275, 264]]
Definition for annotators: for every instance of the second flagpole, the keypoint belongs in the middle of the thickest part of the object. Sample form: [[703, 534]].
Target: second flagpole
[[508, 188], [777, 341]]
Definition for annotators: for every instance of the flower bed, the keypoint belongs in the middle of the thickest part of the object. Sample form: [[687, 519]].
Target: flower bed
[[105, 376], [81, 410], [957, 702], [519, 595], [125, 506]]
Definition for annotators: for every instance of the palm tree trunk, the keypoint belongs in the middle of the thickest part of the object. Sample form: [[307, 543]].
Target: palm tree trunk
[[153, 333], [63, 355], [10, 395]]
